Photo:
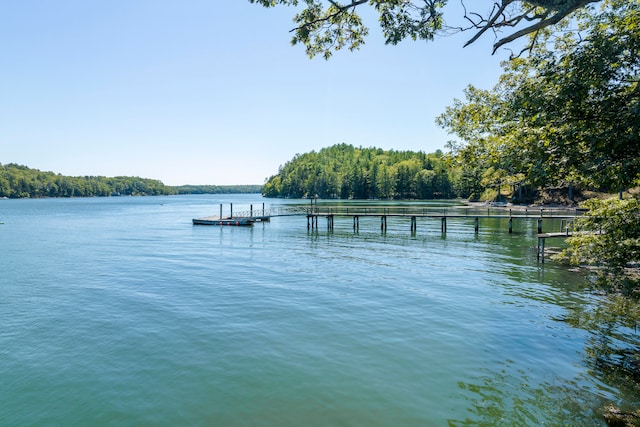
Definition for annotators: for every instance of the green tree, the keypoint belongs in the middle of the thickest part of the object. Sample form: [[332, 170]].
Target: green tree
[[570, 112], [466, 182], [426, 184], [384, 184], [609, 239], [406, 179]]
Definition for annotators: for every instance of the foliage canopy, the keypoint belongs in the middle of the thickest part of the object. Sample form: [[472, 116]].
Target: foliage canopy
[[568, 113], [610, 239], [327, 26], [344, 171]]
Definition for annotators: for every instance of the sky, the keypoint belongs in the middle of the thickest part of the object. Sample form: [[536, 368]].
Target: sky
[[210, 92]]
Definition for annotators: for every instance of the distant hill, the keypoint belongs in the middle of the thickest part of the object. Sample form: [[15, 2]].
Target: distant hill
[[17, 181], [347, 172], [218, 189]]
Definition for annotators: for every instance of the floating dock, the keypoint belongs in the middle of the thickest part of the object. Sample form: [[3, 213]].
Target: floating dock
[[216, 220], [243, 218]]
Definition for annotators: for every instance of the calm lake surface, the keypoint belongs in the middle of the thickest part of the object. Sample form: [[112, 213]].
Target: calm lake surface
[[118, 311]]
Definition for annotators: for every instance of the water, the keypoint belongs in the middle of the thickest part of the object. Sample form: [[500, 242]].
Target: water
[[117, 311]]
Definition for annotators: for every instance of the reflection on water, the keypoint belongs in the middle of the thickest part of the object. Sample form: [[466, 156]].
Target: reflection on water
[[511, 397], [613, 346]]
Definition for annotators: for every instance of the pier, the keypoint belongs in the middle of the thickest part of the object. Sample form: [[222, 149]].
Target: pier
[[542, 238], [444, 215], [242, 218]]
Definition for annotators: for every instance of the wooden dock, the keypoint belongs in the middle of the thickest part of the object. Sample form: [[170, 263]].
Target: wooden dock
[[413, 213], [332, 211], [542, 238], [443, 214], [242, 218]]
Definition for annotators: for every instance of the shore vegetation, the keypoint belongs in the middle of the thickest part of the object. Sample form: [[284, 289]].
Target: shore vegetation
[[18, 181]]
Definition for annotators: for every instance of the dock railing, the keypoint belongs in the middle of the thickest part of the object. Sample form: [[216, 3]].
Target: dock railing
[[400, 211], [443, 211]]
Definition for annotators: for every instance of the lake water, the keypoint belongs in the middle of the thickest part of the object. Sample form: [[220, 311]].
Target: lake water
[[118, 311]]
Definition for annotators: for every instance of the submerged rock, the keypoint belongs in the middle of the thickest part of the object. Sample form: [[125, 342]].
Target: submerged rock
[[615, 417]]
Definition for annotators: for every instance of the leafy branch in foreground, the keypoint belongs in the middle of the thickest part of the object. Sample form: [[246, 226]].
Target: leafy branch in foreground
[[610, 240], [327, 26]]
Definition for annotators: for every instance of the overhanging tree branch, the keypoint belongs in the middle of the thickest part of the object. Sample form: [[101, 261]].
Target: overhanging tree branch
[[324, 26], [340, 9], [491, 22], [543, 23]]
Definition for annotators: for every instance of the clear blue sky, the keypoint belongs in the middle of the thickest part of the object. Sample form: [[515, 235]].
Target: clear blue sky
[[209, 92]]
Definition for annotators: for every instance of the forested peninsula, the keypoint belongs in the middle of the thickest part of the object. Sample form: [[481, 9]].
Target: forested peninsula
[[17, 181], [346, 172]]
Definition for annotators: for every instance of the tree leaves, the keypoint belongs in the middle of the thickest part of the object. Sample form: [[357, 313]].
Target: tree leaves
[[608, 237], [567, 113], [328, 26]]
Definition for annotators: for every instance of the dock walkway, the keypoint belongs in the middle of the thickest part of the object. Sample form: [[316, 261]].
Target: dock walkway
[[250, 216], [332, 211]]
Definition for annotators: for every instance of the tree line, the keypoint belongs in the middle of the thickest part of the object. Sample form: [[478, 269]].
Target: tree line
[[17, 181], [347, 172], [218, 189]]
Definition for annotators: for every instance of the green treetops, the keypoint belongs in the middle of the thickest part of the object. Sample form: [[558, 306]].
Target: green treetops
[[18, 181], [346, 172]]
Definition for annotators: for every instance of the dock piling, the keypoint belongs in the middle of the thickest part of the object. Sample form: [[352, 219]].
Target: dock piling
[[329, 225], [510, 223], [541, 241]]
